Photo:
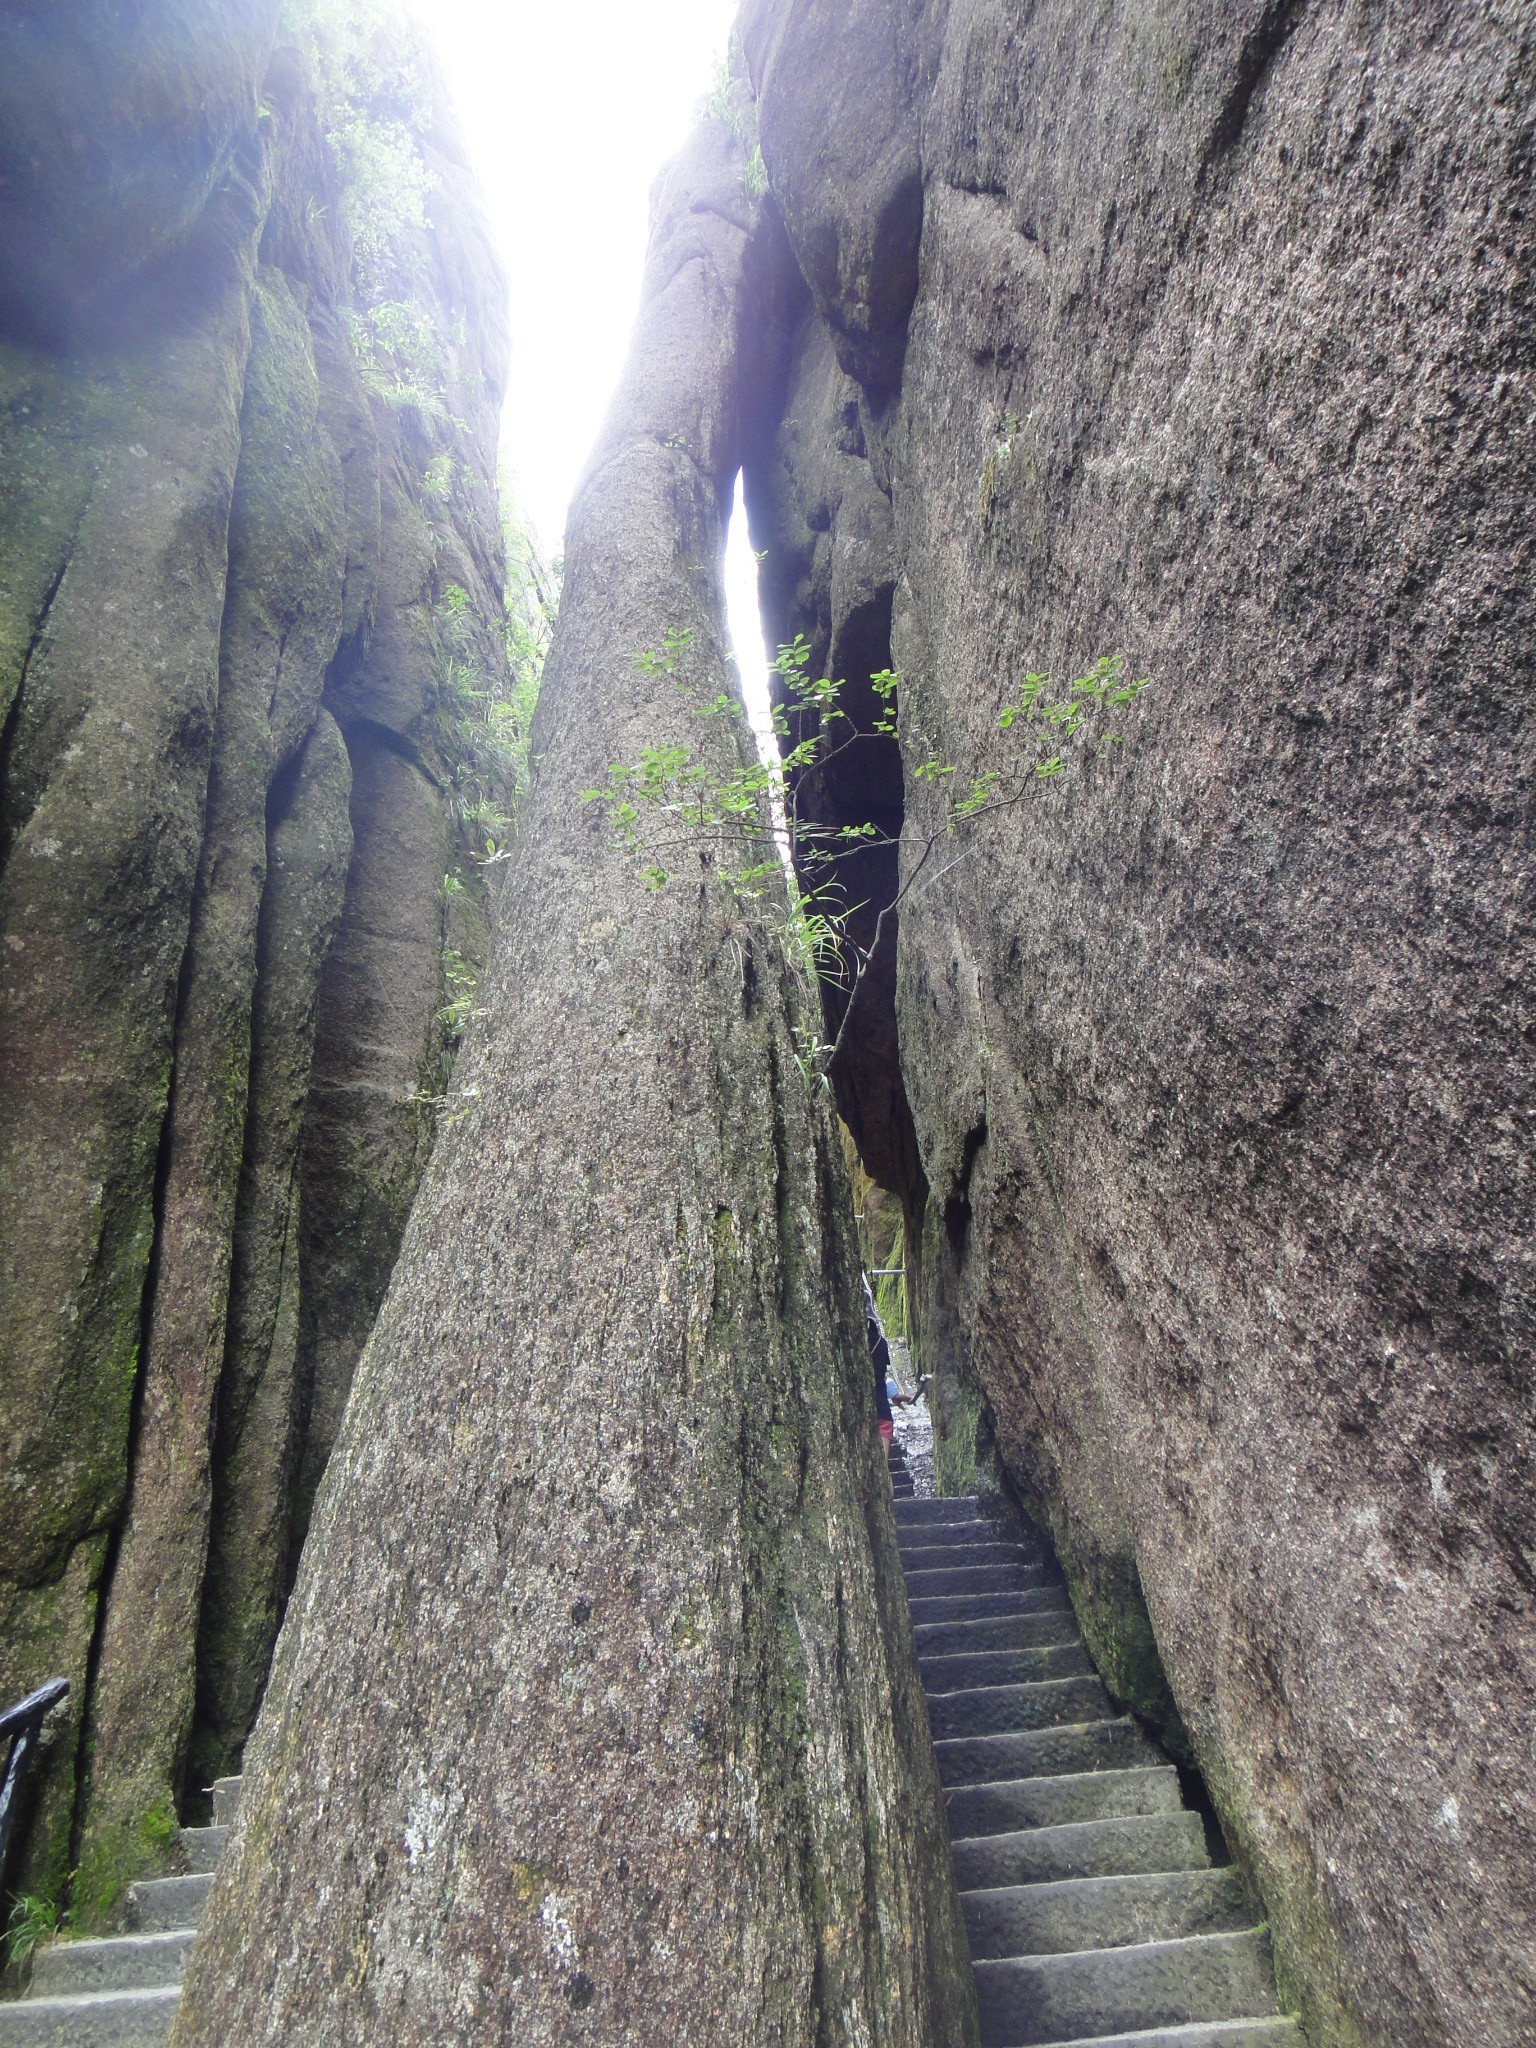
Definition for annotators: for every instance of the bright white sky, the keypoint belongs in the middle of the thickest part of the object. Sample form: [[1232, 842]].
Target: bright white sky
[[570, 109]]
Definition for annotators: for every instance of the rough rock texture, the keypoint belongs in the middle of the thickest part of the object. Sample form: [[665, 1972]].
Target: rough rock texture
[[593, 1717], [256, 1448], [1219, 1056], [248, 431]]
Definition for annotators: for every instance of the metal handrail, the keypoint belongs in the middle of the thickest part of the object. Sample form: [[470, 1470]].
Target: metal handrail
[[22, 1724]]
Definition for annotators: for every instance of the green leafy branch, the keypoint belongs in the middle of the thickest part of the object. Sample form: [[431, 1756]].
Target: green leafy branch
[[730, 101], [750, 822]]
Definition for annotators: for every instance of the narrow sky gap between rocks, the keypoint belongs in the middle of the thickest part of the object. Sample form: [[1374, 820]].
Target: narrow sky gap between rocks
[[743, 613]]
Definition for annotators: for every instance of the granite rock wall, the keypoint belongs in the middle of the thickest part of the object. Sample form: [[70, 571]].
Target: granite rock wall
[[249, 545], [1204, 334]]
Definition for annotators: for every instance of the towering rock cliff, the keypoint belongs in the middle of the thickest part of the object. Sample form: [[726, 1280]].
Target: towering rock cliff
[[250, 598], [1204, 333], [1199, 333], [595, 1715]]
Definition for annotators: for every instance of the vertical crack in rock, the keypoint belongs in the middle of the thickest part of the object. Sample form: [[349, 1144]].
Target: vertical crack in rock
[[11, 826]]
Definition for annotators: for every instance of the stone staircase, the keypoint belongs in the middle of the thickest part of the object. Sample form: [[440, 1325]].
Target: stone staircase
[[1093, 1911], [901, 1478], [121, 1991]]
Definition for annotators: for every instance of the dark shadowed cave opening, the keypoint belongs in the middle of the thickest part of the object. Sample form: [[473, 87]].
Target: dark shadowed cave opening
[[861, 783]]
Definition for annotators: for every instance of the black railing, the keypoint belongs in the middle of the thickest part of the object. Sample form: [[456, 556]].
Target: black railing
[[20, 1726]]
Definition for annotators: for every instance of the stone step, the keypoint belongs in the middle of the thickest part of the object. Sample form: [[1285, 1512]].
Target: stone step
[[124, 1962], [1044, 1753], [930, 1535], [201, 1848], [98, 2019], [961, 1508], [978, 1606], [968, 1556], [1029, 2000], [964, 1528], [1275, 2033], [975, 1578], [226, 1792], [1005, 1709], [1103, 1912], [161, 1904], [1020, 1803], [924, 1557], [988, 1668], [1043, 1617], [1113, 1847]]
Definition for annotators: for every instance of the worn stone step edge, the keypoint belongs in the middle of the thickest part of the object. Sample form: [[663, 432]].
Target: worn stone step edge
[[1015, 1709], [1114, 1845], [919, 1557], [994, 1807], [922, 1532], [1045, 1616], [159, 1905], [1021, 1664], [122, 1962], [1000, 1575], [961, 1609], [1044, 1752], [1027, 2000], [942, 1510], [979, 1606], [975, 1578], [201, 1848], [976, 1557], [1272, 2033], [1114, 1910], [92, 2019]]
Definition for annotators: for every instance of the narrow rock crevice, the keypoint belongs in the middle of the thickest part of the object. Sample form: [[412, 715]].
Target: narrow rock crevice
[[14, 814], [112, 1536]]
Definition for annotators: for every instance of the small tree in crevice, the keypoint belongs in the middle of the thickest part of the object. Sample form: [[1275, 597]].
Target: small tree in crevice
[[752, 827]]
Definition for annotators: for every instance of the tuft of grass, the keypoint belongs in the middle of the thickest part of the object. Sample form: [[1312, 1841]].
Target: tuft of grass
[[32, 1921], [730, 101]]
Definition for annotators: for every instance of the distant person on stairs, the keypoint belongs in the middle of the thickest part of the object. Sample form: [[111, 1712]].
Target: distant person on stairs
[[887, 1390]]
